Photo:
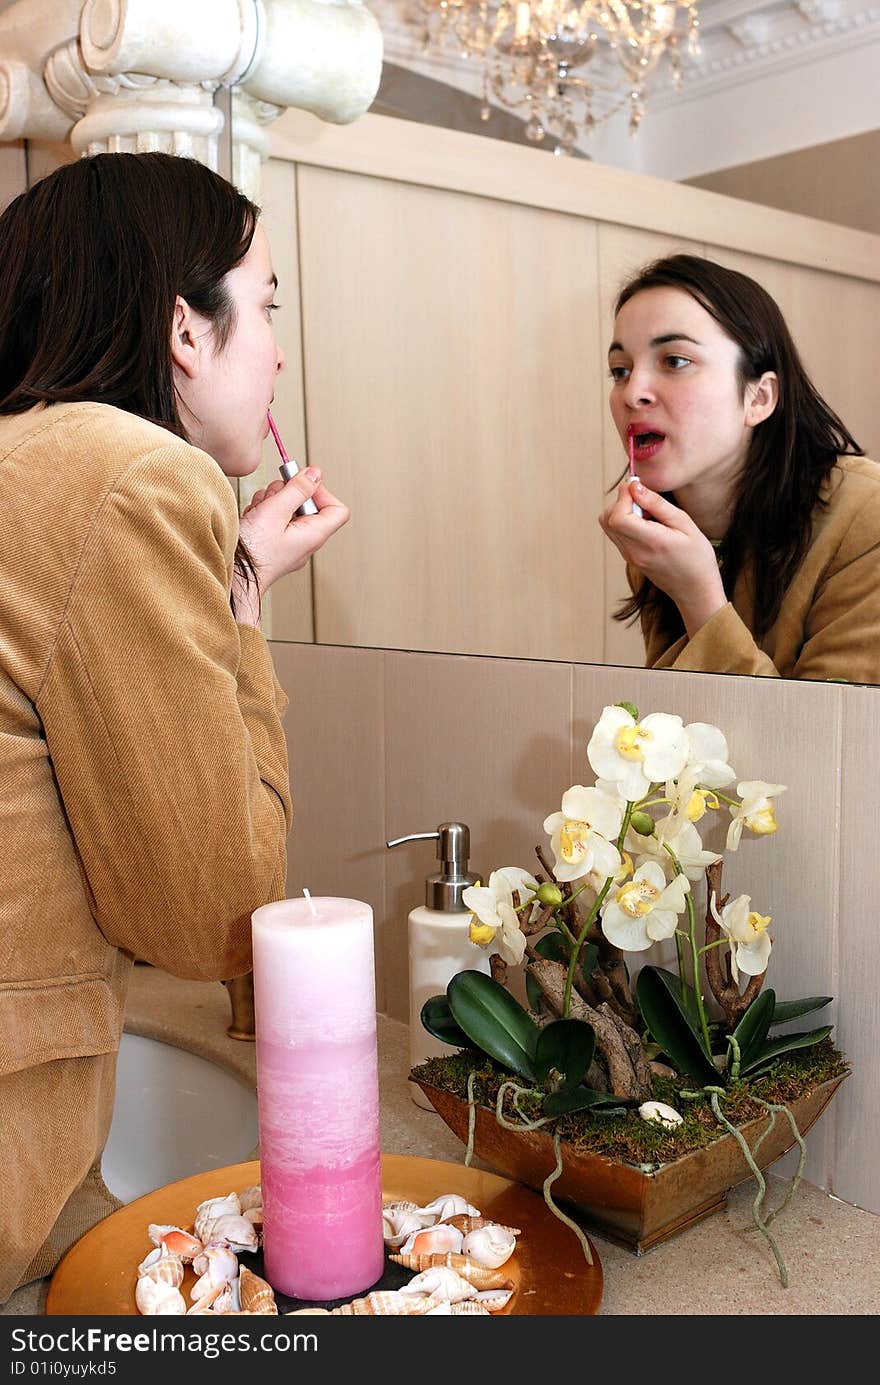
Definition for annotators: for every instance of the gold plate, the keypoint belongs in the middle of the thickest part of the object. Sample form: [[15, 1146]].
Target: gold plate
[[97, 1275]]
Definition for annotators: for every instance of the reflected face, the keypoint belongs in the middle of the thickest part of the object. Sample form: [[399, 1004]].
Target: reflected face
[[676, 390], [227, 399]]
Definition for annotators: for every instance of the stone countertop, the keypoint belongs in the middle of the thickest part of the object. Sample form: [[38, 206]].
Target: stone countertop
[[719, 1267]]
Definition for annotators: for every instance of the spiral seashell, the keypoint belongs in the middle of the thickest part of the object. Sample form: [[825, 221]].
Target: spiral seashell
[[489, 1245], [163, 1266], [388, 1303], [231, 1230], [400, 1206], [255, 1294], [251, 1197], [305, 1312], [494, 1299], [434, 1240], [479, 1275], [469, 1306], [216, 1294], [443, 1310], [213, 1208], [398, 1224], [440, 1282], [465, 1224], [216, 1265], [178, 1241], [154, 1297], [450, 1205]]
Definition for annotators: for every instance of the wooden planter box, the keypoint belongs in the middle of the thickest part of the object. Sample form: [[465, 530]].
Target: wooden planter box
[[636, 1209]]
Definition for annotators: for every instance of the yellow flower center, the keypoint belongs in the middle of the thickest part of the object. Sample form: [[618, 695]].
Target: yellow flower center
[[629, 741], [699, 801], [480, 933], [638, 898], [574, 840], [759, 923], [763, 823]]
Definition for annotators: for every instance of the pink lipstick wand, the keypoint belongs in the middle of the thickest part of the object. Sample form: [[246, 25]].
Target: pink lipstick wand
[[637, 509], [289, 468]]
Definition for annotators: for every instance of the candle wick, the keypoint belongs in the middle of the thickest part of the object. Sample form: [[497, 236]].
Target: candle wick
[[309, 898]]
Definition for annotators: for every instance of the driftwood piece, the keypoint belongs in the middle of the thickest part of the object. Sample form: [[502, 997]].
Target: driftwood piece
[[724, 988], [627, 1076], [498, 968]]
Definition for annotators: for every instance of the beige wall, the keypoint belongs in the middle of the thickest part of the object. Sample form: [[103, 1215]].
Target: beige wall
[[454, 311], [837, 181], [385, 743]]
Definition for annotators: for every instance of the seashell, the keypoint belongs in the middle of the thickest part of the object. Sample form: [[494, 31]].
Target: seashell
[[251, 1197], [217, 1293], [489, 1245], [211, 1209], [494, 1299], [162, 1265], [256, 1294], [303, 1312], [400, 1206], [466, 1224], [398, 1224], [255, 1216], [231, 1230], [216, 1265], [433, 1240], [154, 1297], [440, 1282], [450, 1205], [469, 1306], [178, 1241], [388, 1303], [443, 1310], [481, 1276]]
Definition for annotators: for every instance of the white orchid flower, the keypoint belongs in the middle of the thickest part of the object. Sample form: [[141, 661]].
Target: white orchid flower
[[493, 916], [707, 748], [645, 910], [757, 810], [682, 838], [750, 943], [581, 835], [637, 754], [660, 1114]]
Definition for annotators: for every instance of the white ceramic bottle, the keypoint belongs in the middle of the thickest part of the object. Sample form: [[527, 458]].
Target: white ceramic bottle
[[439, 945]]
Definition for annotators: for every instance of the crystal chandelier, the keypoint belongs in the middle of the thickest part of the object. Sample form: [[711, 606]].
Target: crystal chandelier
[[533, 53]]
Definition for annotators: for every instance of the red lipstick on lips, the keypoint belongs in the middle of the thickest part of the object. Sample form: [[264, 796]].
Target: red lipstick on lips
[[645, 442]]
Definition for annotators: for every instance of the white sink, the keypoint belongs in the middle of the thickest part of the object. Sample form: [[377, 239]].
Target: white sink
[[175, 1114]]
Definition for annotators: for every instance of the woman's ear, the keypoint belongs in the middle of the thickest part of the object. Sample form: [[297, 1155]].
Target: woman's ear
[[762, 396], [185, 349]]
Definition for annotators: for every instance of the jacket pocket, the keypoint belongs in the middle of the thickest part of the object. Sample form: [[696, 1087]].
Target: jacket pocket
[[66, 1017]]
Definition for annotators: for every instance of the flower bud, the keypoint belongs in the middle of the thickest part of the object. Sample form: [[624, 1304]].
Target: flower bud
[[549, 894], [629, 707], [642, 823]]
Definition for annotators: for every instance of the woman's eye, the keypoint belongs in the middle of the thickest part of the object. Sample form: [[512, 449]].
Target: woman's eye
[[678, 362], [618, 372]]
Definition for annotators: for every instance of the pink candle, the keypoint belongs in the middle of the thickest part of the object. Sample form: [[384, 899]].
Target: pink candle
[[318, 1096]]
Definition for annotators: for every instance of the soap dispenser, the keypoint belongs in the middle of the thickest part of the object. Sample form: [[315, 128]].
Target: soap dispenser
[[439, 945]]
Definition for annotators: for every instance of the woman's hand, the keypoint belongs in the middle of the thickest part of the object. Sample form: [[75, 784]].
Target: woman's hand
[[669, 549], [279, 540]]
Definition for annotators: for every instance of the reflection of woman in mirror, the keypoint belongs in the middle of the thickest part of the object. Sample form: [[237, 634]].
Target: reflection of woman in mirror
[[759, 547]]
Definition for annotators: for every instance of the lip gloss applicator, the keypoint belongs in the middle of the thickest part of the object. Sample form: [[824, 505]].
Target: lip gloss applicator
[[637, 509], [289, 468]]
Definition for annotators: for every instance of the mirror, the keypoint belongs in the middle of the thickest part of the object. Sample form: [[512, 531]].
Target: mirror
[[445, 334]]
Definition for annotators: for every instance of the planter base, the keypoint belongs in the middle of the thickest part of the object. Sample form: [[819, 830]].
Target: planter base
[[635, 1209]]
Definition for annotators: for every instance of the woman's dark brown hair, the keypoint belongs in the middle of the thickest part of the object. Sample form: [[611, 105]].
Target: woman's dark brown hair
[[92, 259], [790, 454]]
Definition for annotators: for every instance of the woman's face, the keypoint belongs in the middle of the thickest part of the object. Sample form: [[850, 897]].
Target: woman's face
[[676, 388], [227, 391]]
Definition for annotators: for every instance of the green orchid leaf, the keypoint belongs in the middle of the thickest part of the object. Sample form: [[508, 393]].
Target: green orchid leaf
[[751, 1032], [553, 947], [493, 1021], [793, 1009], [563, 1103], [786, 1044], [567, 1046], [662, 1009], [436, 1017]]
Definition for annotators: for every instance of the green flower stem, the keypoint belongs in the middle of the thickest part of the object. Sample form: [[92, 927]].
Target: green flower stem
[[600, 899], [722, 942], [734, 802], [692, 938]]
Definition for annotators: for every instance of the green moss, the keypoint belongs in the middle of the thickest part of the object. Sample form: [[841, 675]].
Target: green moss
[[628, 1138]]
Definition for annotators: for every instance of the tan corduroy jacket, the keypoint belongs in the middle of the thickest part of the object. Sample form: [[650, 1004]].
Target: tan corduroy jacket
[[828, 626], [144, 798]]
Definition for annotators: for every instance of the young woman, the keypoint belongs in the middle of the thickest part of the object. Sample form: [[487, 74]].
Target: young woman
[[144, 798], [758, 547]]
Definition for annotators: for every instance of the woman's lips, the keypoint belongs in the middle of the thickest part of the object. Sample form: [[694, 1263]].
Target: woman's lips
[[646, 442]]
